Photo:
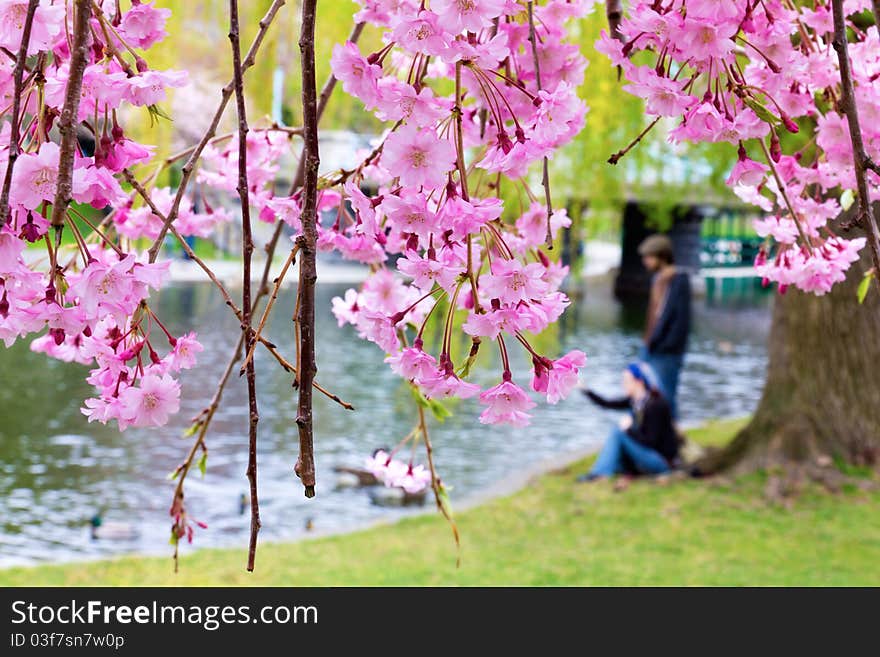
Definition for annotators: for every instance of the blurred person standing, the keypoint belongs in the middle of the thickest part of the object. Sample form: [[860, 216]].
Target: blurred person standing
[[668, 321]]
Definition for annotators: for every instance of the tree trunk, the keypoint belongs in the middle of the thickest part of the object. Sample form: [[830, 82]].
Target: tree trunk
[[821, 401]]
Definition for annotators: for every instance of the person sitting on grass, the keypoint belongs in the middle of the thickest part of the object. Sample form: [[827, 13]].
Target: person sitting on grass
[[645, 442]]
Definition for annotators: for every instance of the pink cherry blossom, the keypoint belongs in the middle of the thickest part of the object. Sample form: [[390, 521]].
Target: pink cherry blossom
[[47, 26], [409, 213], [183, 355], [532, 226], [151, 402], [413, 364], [426, 272], [747, 172], [445, 384], [377, 327], [418, 157], [422, 34], [35, 176], [143, 25], [511, 281], [386, 468], [467, 15], [506, 403], [346, 309], [414, 480], [359, 78], [559, 377], [150, 87]]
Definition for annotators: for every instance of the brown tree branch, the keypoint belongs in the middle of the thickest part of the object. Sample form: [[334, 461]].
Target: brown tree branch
[[15, 132], [226, 94], [614, 159], [79, 53], [545, 176], [247, 252], [614, 12], [206, 416], [305, 464], [851, 110]]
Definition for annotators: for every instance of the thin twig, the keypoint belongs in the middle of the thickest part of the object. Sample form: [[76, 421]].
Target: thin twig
[[70, 112], [780, 185], [247, 251], [226, 94], [614, 159], [436, 484], [462, 173], [203, 420], [305, 464], [850, 109], [206, 416], [15, 132], [545, 176], [291, 258]]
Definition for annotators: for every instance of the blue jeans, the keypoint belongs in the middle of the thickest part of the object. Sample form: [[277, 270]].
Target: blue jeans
[[621, 450], [667, 367]]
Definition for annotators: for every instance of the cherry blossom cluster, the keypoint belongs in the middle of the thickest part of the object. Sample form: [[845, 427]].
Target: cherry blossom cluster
[[395, 473], [473, 104], [743, 72], [476, 96], [91, 299]]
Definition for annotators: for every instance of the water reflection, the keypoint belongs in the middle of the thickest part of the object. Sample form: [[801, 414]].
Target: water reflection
[[56, 470]]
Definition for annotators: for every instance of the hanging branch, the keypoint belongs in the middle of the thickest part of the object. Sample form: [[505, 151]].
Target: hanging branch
[[189, 167], [545, 176], [203, 420], [247, 251], [15, 133], [860, 159], [305, 319], [70, 112], [440, 495]]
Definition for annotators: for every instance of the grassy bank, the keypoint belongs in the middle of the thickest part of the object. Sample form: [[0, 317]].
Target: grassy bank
[[557, 532]]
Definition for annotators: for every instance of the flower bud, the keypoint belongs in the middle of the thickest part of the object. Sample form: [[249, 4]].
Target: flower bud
[[775, 148]]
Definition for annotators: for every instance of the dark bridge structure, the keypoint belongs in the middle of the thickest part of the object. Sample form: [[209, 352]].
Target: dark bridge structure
[[715, 242]]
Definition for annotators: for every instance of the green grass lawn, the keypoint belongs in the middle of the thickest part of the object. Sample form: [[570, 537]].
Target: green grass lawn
[[558, 532]]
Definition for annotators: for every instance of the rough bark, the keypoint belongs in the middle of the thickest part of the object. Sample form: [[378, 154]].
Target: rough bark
[[305, 465], [69, 113], [821, 400]]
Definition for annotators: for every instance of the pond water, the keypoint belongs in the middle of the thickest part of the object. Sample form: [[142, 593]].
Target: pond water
[[56, 470]]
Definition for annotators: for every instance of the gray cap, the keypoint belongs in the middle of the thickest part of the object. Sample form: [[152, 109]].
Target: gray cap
[[657, 245]]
